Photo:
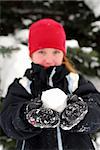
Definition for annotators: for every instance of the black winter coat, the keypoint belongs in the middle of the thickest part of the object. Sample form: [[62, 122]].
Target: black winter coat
[[35, 80]]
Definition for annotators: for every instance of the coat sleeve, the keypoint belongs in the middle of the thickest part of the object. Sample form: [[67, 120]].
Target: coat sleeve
[[11, 119], [91, 122]]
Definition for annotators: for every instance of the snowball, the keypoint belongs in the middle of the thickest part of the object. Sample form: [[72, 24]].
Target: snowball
[[55, 99]]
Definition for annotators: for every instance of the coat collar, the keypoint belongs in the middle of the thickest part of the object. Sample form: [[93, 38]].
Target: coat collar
[[61, 70], [57, 76]]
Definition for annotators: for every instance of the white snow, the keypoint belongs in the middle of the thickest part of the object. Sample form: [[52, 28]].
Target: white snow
[[26, 22], [72, 43], [98, 141], [71, 17], [13, 66], [1, 147], [94, 5], [94, 58], [55, 99], [96, 26], [22, 35], [96, 23], [87, 49], [94, 64], [8, 41]]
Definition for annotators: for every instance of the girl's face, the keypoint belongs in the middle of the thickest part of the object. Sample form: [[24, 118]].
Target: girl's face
[[48, 57]]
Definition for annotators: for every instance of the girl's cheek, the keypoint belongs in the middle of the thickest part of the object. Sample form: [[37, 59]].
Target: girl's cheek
[[42, 62]]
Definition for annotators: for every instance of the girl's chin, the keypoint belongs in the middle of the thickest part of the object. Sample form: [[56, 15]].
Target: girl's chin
[[46, 67]]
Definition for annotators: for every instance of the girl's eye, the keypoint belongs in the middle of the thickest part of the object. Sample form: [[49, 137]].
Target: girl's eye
[[41, 52], [56, 52]]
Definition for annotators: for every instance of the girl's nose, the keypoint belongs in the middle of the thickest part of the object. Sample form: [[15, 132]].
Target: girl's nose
[[49, 60]]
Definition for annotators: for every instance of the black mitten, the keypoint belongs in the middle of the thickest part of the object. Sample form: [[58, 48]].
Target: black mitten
[[74, 112], [41, 117]]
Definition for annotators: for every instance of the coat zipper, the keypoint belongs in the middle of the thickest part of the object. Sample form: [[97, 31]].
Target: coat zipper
[[59, 139], [23, 145]]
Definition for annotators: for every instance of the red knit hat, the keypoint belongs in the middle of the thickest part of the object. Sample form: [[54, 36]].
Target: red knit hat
[[46, 33]]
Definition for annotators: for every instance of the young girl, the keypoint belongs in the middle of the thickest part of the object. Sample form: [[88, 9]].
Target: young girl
[[52, 107]]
